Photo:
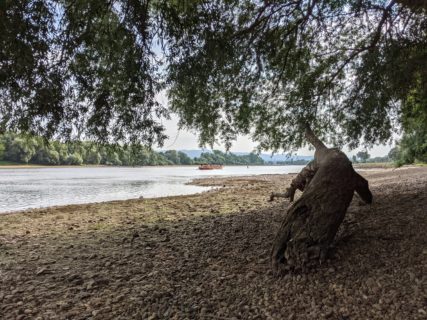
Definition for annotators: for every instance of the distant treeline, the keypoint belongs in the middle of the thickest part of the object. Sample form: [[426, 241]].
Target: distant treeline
[[298, 162], [229, 158], [35, 150]]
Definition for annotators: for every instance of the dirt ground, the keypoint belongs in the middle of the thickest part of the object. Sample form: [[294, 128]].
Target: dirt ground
[[206, 256]]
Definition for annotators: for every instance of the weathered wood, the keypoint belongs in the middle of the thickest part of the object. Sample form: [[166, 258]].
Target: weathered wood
[[300, 182], [311, 223]]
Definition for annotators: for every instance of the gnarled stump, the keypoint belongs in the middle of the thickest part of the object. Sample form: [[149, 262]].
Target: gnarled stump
[[312, 221]]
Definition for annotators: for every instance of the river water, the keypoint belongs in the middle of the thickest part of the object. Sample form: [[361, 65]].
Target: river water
[[25, 188]]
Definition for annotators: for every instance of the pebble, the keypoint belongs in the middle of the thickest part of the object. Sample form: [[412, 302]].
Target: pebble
[[90, 284], [41, 271]]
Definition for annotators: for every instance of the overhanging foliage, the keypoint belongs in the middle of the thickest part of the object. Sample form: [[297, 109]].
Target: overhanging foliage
[[92, 69]]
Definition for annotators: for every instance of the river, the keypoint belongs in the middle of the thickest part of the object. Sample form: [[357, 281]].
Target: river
[[25, 188]]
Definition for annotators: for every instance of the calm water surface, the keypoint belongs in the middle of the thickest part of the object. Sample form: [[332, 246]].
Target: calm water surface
[[43, 187]]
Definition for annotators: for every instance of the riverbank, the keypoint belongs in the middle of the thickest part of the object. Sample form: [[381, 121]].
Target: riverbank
[[206, 256], [375, 165]]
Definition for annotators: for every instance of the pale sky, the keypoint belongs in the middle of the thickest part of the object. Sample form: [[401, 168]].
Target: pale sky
[[185, 140]]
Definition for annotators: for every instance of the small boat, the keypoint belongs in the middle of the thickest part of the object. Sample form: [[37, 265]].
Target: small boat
[[210, 166]]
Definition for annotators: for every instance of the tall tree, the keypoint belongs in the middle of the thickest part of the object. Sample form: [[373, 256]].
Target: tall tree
[[93, 68], [413, 145], [79, 68], [265, 68], [363, 156]]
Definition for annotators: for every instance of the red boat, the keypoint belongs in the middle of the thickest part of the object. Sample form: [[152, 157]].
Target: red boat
[[210, 166]]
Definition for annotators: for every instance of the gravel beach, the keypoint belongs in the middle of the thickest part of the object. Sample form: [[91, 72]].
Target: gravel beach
[[206, 256]]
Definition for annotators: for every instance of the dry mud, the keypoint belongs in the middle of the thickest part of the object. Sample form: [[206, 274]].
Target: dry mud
[[206, 256]]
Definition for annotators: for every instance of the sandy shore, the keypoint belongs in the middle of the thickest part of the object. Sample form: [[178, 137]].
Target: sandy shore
[[206, 256]]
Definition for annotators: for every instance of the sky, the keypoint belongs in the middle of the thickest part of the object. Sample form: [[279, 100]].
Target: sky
[[186, 140]]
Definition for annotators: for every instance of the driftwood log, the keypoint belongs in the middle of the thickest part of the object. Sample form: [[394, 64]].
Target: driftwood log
[[328, 184]]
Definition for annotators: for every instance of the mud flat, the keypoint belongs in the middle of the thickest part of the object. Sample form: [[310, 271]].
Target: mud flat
[[206, 256]]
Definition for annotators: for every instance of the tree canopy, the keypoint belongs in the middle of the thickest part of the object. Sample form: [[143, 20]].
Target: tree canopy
[[76, 68], [363, 156], [92, 69], [413, 145]]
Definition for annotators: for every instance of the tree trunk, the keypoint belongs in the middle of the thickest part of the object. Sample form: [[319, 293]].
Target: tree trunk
[[328, 184]]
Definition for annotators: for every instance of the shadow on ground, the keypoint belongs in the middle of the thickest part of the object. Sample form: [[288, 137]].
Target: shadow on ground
[[217, 267]]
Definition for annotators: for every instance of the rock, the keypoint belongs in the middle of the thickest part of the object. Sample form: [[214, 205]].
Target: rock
[[102, 282], [153, 316], [90, 284], [96, 282], [135, 234], [41, 271], [76, 279], [83, 295], [329, 314], [119, 298]]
